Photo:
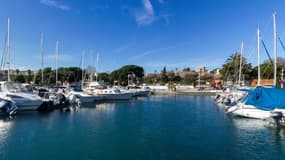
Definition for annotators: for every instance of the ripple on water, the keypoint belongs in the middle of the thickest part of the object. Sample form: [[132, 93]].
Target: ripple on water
[[163, 127]]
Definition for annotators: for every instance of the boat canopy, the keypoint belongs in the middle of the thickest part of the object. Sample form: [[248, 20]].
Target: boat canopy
[[266, 98]]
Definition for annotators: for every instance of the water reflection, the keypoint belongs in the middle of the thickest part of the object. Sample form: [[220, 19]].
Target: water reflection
[[145, 128], [5, 126], [249, 124], [106, 107]]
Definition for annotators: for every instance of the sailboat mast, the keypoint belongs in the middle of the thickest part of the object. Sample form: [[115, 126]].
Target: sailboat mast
[[42, 52], [240, 64], [97, 66], [8, 50], [82, 63], [282, 77], [91, 65], [258, 56], [56, 61], [275, 48]]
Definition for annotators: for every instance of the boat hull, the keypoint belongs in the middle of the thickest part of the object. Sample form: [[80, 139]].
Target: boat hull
[[120, 96], [253, 113]]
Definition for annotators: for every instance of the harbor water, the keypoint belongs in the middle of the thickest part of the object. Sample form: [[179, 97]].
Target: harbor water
[[157, 127]]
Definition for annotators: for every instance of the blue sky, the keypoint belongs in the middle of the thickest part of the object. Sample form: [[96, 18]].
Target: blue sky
[[149, 33]]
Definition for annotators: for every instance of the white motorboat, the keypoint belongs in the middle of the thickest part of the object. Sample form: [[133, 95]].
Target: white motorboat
[[139, 91], [230, 99], [76, 94], [102, 91], [248, 111], [13, 92], [24, 100]]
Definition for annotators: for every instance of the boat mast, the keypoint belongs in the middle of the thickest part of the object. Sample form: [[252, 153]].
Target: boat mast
[[56, 59], [282, 75], [275, 48], [258, 56], [8, 50], [240, 64], [42, 52], [91, 65], [97, 66], [82, 65]]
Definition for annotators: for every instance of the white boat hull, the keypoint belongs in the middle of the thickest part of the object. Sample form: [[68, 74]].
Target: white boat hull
[[249, 112], [83, 97], [120, 96], [26, 103]]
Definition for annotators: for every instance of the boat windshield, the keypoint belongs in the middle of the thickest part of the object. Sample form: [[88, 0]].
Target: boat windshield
[[12, 87]]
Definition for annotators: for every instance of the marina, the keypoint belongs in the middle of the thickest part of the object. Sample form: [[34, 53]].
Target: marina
[[172, 81], [156, 127]]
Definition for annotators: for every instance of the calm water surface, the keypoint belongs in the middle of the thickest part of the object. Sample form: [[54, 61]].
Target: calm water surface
[[169, 127]]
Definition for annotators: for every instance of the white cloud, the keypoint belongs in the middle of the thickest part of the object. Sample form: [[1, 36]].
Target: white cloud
[[157, 50], [146, 15], [150, 52], [55, 4]]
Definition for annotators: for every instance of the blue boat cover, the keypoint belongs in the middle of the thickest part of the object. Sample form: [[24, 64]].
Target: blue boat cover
[[266, 98]]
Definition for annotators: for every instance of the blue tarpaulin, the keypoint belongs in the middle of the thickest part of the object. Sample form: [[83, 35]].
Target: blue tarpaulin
[[266, 98]]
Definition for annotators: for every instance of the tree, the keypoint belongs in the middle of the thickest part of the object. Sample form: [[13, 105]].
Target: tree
[[121, 74], [17, 71], [186, 69], [176, 79], [69, 74], [173, 78], [280, 61], [230, 70], [19, 78], [267, 70], [170, 75], [206, 77], [49, 76], [190, 78], [163, 75], [151, 78], [104, 77], [29, 77]]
